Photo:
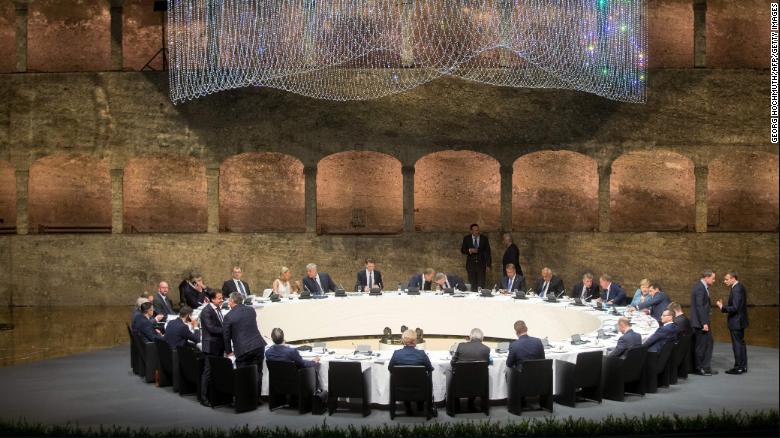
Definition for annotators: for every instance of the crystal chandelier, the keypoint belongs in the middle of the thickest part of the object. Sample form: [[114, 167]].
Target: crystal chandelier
[[366, 49]]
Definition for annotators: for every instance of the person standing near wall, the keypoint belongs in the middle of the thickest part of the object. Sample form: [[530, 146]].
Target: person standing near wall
[[476, 248]]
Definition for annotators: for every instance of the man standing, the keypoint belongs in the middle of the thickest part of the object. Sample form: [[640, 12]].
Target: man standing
[[737, 319], [700, 321], [213, 341], [511, 255], [476, 248], [236, 284], [163, 304], [242, 337], [369, 277]]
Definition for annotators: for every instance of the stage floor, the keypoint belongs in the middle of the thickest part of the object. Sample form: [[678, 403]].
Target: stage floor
[[97, 388]]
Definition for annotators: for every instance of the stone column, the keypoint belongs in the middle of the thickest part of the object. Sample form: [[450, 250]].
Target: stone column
[[408, 197], [506, 197], [117, 12], [212, 183], [701, 173], [117, 201], [700, 33], [605, 173], [22, 13], [407, 46], [22, 184], [310, 196]]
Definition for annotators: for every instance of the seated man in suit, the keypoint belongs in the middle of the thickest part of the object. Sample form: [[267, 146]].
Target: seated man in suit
[[629, 339], [283, 353], [162, 304], [654, 304], [472, 351], [612, 292], [548, 283], [242, 336], [513, 281], [369, 277], [317, 283], [524, 348], [236, 284], [410, 355], [142, 323], [666, 333], [192, 290], [178, 332], [446, 281], [423, 281], [586, 289], [680, 320], [137, 310]]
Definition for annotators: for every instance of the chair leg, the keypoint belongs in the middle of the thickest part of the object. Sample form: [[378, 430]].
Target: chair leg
[[392, 409]]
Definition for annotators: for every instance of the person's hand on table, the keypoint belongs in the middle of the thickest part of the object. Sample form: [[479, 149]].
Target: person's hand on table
[[631, 309], [316, 359]]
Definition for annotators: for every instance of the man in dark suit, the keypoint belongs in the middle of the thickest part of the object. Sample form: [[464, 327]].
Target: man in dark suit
[[511, 255], [162, 304], [737, 319], [612, 293], [548, 283], [449, 280], [472, 351], [513, 281], [142, 323], [700, 321], [242, 336], [680, 320], [586, 290], [410, 355], [212, 334], [192, 290], [626, 342], [369, 277], [655, 304], [423, 281], [317, 283], [666, 333], [283, 353], [178, 333], [476, 248], [524, 348], [236, 284]]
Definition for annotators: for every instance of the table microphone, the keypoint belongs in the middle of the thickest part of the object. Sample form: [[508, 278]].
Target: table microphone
[[560, 294]]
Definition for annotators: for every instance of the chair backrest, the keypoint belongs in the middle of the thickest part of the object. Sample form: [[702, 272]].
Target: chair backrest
[[681, 348], [165, 355], [345, 379], [664, 355], [222, 373], [188, 363], [634, 363], [587, 372], [536, 378], [282, 377], [469, 379], [410, 382], [140, 343]]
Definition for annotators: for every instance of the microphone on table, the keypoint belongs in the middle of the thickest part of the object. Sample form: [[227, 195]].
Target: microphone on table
[[560, 294]]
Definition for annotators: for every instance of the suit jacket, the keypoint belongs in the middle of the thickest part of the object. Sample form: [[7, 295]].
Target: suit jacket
[[178, 334], [736, 308], [656, 303], [556, 285], [283, 353], [616, 294], [410, 356], [512, 255], [229, 286], [311, 284], [482, 258], [517, 284], [471, 351], [240, 327], [189, 295], [683, 325], [664, 334], [362, 280], [162, 305], [212, 334], [700, 305], [417, 281], [524, 348], [629, 340], [591, 292], [455, 282], [145, 327]]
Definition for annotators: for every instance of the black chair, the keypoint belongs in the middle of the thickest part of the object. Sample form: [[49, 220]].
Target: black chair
[[580, 380], [191, 365], [624, 375], [147, 357], [289, 385], [134, 360], [657, 368], [411, 383], [232, 386], [534, 379], [165, 356], [347, 379], [681, 356], [469, 379]]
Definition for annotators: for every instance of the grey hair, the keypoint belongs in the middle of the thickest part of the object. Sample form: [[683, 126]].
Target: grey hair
[[441, 275], [409, 337], [236, 297], [546, 269], [311, 266], [476, 334]]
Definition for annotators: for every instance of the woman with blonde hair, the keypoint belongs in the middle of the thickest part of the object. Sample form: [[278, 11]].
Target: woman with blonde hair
[[282, 285], [641, 294]]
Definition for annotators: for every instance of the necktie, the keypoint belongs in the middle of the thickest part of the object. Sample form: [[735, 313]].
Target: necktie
[[219, 315], [370, 279], [607, 294], [546, 285], [446, 284], [319, 285], [509, 286], [475, 243], [584, 289], [241, 287]]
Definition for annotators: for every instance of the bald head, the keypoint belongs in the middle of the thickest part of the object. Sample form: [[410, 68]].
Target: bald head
[[162, 288]]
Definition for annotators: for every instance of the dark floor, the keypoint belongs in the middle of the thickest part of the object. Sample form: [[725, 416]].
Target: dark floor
[[96, 388]]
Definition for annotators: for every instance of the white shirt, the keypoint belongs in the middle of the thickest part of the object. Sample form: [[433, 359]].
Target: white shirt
[[607, 296], [239, 287], [317, 279], [219, 312]]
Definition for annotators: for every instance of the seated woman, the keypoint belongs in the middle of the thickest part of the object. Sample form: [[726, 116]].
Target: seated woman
[[641, 294], [282, 285]]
